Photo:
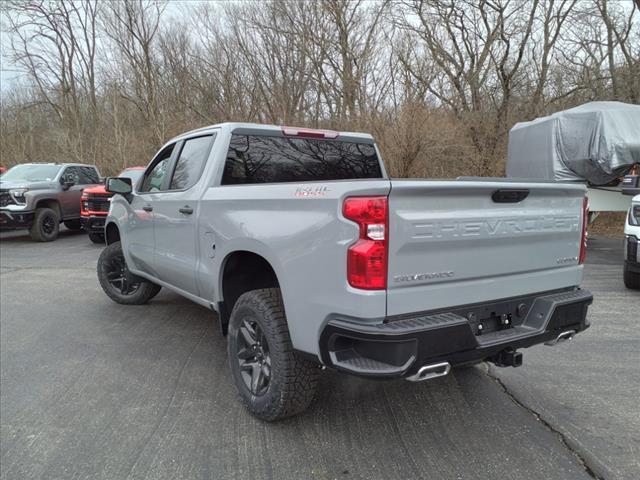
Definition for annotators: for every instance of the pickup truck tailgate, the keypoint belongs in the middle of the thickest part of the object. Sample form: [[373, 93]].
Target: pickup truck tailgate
[[459, 242]]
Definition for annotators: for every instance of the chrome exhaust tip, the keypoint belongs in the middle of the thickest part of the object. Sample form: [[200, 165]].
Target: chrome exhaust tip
[[429, 372], [564, 336]]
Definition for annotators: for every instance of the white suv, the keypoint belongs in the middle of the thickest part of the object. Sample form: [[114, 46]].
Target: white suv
[[631, 241]]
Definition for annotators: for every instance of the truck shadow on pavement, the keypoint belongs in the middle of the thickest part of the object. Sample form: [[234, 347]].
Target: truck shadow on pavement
[[22, 236]]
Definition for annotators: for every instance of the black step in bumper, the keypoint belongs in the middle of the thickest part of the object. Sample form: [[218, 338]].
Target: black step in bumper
[[398, 347]]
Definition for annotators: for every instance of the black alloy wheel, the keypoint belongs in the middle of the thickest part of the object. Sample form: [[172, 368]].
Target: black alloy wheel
[[117, 275], [272, 380], [45, 226], [118, 283], [253, 357], [48, 224]]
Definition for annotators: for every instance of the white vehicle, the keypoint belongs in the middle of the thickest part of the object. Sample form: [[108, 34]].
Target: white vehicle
[[631, 240]]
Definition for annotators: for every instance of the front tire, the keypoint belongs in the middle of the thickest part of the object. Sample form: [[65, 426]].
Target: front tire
[[74, 225], [116, 281], [273, 382], [46, 225], [96, 237], [631, 279]]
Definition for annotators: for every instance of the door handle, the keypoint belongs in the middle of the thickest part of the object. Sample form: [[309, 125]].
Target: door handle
[[187, 210], [148, 208]]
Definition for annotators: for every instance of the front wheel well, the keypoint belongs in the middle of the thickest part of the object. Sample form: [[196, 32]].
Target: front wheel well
[[52, 204], [243, 271], [112, 234]]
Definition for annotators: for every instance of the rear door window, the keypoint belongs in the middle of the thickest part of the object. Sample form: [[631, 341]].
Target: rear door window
[[190, 164], [88, 175], [271, 159]]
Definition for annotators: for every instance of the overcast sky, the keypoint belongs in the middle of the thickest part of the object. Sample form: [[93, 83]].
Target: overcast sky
[[7, 71]]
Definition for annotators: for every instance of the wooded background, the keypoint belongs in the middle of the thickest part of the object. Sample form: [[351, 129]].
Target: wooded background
[[439, 83]]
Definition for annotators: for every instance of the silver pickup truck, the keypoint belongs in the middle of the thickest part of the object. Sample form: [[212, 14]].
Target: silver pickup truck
[[39, 196], [312, 257]]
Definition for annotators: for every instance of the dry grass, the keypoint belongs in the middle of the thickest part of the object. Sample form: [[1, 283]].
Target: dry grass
[[610, 224]]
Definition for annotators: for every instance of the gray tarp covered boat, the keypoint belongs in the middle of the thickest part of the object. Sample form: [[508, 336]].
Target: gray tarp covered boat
[[596, 142]]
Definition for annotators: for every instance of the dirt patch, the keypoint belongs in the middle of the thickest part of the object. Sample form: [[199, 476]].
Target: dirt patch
[[610, 224]]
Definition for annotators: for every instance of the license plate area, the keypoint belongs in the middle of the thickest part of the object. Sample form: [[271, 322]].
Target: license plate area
[[492, 323]]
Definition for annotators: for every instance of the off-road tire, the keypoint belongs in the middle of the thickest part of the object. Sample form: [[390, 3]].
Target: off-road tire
[[74, 225], [145, 290], [46, 225], [631, 279], [293, 379], [96, 237]]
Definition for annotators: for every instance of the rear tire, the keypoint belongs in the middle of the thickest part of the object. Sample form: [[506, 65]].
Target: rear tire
[[273, 382], [631, 279], [117, 282], [96, 237], [74, 225], [46, 225]]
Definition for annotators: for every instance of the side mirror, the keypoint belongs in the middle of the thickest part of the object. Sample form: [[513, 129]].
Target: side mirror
[[121, 185], [68, 181]]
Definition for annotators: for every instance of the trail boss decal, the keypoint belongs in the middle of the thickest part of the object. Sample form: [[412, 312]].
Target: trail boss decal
[[311, 192]]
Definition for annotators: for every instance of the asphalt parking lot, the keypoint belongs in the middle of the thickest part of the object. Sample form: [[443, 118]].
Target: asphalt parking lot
[[94, 390]]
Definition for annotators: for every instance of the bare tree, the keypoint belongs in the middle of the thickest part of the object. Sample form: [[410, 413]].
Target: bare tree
[[438, 82], [133, 27], [478, 51], [54, 44], [266, 41], [554, 17], [618, 27]]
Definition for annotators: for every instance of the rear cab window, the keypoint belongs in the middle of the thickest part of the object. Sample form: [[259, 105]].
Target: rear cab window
[[255, 159]]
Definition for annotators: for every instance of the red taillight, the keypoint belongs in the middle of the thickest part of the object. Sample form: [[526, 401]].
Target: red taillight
[[367, 258], [583, 239], [305, 132]]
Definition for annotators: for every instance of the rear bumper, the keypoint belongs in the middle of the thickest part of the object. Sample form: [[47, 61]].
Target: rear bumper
[[399, 347], [93, 223], [12, 220]]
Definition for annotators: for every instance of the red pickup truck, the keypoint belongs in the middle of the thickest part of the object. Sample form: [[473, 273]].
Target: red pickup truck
[[95, 202]]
